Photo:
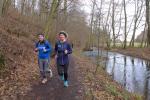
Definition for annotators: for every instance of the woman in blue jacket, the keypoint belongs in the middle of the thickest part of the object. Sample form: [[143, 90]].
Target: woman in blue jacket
[[43, 48], [62, 50]]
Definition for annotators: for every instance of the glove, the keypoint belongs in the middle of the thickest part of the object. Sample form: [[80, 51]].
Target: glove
[[44, 50], [36, 49], [66, 51]]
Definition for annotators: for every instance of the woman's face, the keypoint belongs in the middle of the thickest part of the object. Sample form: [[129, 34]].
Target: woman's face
[[41, 37], [62, 37]]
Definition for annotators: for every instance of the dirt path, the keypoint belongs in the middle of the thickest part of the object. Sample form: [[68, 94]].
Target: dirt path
[[54, 89]]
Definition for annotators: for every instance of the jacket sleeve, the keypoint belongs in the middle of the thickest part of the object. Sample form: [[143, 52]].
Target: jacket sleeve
[[56, 48], [36, 45], [48, 47], [69, 49]]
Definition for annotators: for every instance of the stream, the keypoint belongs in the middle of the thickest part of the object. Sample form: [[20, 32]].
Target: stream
[[132, 73]]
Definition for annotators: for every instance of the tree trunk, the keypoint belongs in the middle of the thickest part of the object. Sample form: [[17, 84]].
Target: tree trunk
[[148, 22], [143, 37], [106, 25], [14, 3], [113, 24], [133, 36], [22, 6], [90, 41], [33, 6], [5, 6], [1, 6], [136, 18], [50, 23], [125, 25], [65, 15]]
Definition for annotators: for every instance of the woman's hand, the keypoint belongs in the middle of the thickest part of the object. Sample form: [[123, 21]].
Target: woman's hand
[[36, 49], [66, 51]]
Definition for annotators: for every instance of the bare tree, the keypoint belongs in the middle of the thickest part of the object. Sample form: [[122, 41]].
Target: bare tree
[[143, 35], [148, 21], [51, 18], [22, 6], [138, 11], [106, 27], [1, 6], [91, 24], [113, 23], [43, 9], [33, 3], [125, 24], [4, 5], [14, 3], [98, 28], [65, 14]]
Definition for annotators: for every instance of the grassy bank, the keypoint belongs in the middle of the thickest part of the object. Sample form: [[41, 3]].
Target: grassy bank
[[143, 53]]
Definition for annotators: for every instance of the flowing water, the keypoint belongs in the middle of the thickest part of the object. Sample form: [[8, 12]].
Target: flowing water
[[132, 73]]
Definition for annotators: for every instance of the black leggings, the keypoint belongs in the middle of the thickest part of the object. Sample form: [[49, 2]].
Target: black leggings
[[63, 69]]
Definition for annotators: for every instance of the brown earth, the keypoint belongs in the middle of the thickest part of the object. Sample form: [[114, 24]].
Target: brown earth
[[16, 45], [54, 89]]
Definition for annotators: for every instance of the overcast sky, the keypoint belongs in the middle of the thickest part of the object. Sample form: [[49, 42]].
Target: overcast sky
[[130, 12], [86, 6]]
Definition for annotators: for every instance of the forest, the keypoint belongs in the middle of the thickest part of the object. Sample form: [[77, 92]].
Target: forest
[[110, 41]]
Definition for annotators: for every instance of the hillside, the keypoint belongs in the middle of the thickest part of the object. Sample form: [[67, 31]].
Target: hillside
[[17, 42]]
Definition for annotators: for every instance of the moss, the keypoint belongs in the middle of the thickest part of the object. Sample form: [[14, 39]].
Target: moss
[[113, 91], [2, 62]]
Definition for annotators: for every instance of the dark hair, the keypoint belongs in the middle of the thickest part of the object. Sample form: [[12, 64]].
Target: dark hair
[[64, 33], [40, 34]]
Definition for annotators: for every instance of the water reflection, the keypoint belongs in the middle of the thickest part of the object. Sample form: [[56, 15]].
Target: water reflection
[[147, 83], [132, 73]]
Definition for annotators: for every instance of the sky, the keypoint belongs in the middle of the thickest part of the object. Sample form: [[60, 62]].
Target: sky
[[130, 12], [86, 6]]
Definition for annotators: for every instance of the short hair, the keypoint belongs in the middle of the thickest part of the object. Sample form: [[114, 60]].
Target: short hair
[[41, 34], [64, 33]]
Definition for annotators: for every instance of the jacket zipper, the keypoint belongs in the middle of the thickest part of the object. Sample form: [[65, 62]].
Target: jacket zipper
[[62, 54]]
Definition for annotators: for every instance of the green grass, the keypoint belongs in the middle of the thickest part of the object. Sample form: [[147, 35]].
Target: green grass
[[112, 90], [125, 95], [136, 44]]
